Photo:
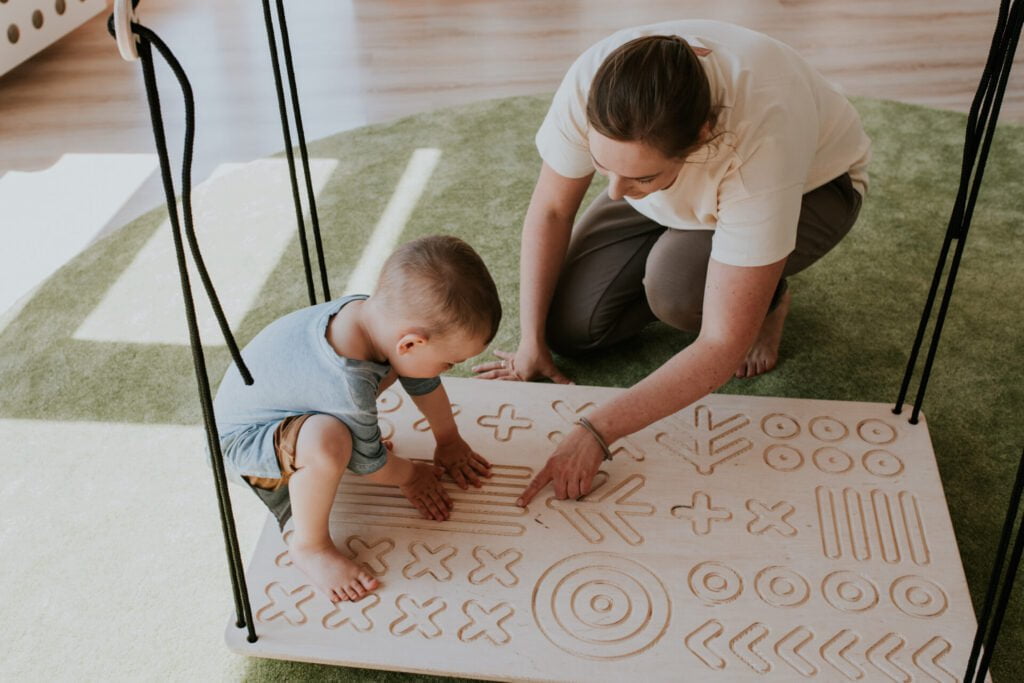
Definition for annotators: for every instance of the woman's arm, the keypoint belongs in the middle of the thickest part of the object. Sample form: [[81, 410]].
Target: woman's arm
[[546, 231], [736, 300]]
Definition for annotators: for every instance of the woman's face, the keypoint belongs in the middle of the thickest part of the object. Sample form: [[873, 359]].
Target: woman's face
[[634, 169]]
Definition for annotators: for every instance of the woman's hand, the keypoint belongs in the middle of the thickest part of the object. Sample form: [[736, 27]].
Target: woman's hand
[[528, 363], [571, 468], [462, 463]]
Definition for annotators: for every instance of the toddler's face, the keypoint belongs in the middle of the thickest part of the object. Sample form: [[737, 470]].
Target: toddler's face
[[436, 355]]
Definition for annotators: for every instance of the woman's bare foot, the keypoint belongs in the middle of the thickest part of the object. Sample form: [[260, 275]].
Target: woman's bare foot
[[337, 577], [764, 354]]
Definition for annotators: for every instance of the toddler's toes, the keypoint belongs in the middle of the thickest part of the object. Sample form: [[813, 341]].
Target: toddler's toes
[[369, 583], [338, 595]]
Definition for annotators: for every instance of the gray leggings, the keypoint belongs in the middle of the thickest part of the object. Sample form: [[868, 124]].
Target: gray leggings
[[623, 270]]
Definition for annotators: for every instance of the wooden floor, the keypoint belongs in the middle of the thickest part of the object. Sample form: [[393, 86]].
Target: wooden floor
[[365, 61]]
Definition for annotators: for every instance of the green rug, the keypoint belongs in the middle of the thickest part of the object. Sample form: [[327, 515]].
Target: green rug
[[853, 318]]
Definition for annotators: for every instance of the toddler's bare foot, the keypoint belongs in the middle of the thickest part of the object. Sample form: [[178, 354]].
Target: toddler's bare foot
[[764, 354], [336, 576]]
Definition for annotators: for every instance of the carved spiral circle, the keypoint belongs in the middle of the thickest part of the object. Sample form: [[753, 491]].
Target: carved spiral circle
[[714, 583], [828, 429], [832, 460], [783, 458], [876, 432], [601, 606], [781, 587], [780, 426], [882, 463], [849, 591], [918, 597]]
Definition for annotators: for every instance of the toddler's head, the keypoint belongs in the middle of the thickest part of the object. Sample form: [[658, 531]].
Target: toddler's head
[[441, 302]]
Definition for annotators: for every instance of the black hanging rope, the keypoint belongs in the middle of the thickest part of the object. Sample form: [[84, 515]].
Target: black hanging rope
[[286, 133], [148, 39], [981, 128], [992, 613]]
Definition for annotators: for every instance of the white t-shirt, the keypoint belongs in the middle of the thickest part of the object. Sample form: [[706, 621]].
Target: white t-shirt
[[786, 131]]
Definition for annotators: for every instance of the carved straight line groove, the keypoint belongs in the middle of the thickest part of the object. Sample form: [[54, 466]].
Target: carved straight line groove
[[788, 650], [928, 659], [827, 523], [885, 525], [427, 560], [858, 524], [715, 583], [782, 587], [914, 525], [849, 591], [711, 445], [355, 614], [566, 411], [882, 655], [699, 643], [370, 556], [486, 623], [285, 604], [490, 510], [601, 606], [744, 647], [606, 507], [834, 652], [780, 426], [417, 617], [701, 513], [497, 567], [918, 597], [505, 422], [423, 425], [770, 518]]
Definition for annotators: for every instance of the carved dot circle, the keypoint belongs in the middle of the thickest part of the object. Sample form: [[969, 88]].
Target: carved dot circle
[[601, 606], [780, 426], [882, 463], [876, 432], [918, 597], [828, 429], [783, 458], [714, 583], [389, 402], [781, 587], [849, 591], [832, 460]]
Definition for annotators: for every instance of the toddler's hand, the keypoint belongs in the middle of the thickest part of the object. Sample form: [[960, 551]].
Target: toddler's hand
[[424, 490], [462, 463]]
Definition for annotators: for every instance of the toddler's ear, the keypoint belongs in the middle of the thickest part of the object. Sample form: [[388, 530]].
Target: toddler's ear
[[410, 341]]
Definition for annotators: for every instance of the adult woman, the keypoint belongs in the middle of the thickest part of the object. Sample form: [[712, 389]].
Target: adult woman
[[731, 164]]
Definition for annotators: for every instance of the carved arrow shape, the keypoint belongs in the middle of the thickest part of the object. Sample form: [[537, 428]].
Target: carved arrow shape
[[927, 659], [834, 652], [743, 647], [699, 643], [608, 507], [788, 650], [883, 655]]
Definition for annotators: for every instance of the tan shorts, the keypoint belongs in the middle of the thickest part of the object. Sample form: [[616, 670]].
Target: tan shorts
[[286, 435]]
